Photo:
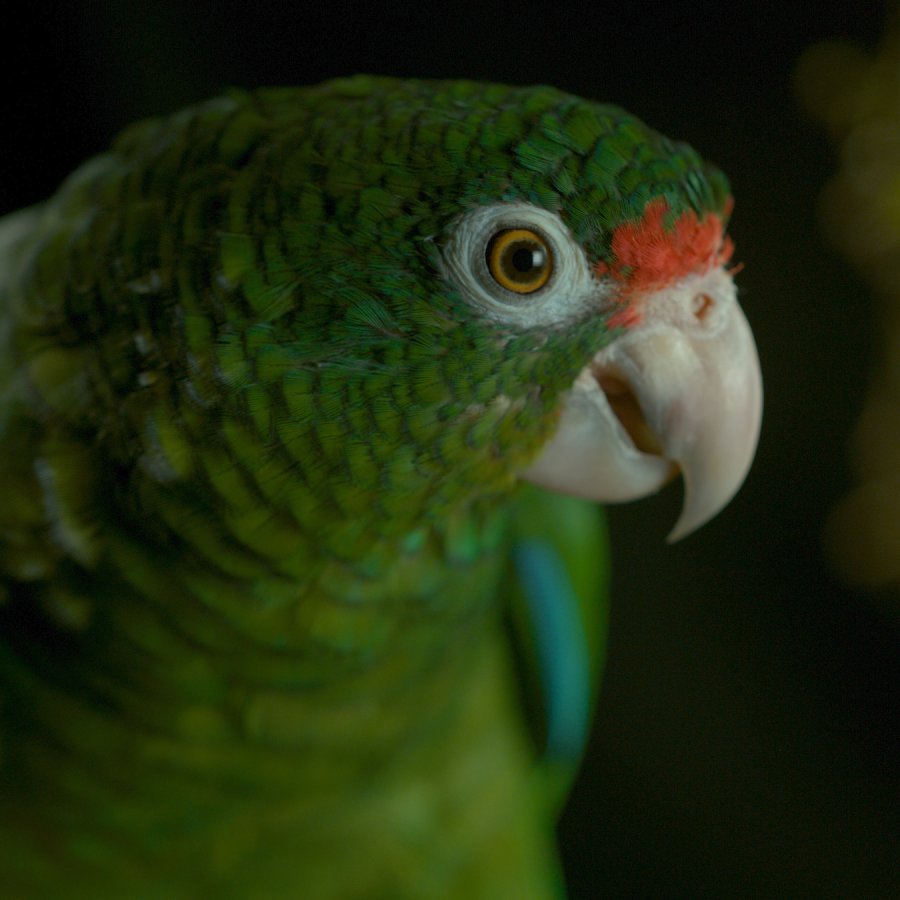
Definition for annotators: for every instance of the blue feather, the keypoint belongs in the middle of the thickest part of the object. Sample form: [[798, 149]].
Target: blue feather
[[560, 645]]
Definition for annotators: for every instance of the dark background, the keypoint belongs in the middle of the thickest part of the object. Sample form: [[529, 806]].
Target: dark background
[[745, 744]]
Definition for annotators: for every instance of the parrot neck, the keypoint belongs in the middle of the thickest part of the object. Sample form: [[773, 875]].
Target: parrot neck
[[198, 698], [360, 654]]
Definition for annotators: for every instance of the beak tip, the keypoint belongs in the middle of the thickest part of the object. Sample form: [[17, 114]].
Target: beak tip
[[684, 528]]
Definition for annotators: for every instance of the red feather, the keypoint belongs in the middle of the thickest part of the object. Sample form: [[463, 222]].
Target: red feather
[[647, 256]]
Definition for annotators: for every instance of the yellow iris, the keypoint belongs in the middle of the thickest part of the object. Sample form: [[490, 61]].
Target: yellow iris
[[519, 260]]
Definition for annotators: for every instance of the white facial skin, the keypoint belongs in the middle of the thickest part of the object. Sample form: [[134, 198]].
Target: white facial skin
[[679, 391]]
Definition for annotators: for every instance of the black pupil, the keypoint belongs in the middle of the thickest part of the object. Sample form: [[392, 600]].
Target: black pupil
[[524, 259]]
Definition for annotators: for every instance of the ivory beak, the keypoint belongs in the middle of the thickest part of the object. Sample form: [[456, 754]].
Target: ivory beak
[[679, 391]]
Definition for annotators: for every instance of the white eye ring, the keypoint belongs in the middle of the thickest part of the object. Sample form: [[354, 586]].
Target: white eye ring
[[566, 295]]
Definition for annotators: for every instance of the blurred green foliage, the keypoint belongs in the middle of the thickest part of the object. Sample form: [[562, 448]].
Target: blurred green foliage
[[858, 97]]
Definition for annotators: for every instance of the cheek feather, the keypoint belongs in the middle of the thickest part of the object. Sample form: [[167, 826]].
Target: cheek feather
[[647, 255]]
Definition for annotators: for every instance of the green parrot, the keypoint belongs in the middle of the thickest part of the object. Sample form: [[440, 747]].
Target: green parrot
[[308, 399]]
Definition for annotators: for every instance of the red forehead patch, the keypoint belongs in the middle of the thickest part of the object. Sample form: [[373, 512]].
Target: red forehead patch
[[646, 256]]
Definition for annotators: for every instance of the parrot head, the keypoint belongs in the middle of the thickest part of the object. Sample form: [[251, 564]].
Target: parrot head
[[512, 283], [675, 384]]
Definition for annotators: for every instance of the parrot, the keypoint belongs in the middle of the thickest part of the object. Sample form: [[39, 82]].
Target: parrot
[[310, 401]]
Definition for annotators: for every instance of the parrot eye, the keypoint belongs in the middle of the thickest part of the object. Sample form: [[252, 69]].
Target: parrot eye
[[520, 264], [520, 260]]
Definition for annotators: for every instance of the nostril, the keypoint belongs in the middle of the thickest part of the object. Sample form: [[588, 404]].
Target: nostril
[[701, 306]]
